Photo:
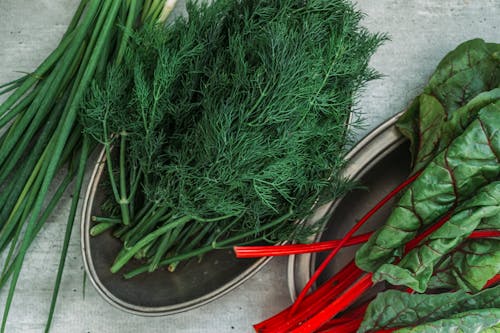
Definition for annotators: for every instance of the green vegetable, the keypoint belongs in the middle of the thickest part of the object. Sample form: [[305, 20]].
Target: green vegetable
[[417, 266], [469, 266], [458, 172], [465, 81], [236, 122], [454, 132], [444, 312], [485, 321]]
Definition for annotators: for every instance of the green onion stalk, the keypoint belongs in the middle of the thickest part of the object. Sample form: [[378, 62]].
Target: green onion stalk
[[41, 136]]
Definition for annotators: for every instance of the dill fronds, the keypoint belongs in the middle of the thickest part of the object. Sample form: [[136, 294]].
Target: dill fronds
[[232, 123]]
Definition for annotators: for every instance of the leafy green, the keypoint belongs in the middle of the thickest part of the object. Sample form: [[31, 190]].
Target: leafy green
[[485, 320], [417, 266], [235, 125], [397, 309], [456, 91], [453, 128], [469, 266], [468, 163]]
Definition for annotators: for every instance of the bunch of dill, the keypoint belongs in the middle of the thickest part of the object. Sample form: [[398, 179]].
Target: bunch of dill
[[231, 124]]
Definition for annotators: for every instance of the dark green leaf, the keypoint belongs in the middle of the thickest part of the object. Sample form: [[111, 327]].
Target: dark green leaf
[[395, 309], [468, 163], [417, 266], [469, 266], [473, 67], [484, 321], [455, 93]]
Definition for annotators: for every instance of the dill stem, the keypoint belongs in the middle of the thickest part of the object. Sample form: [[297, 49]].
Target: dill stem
[[126, 231], [198, 229], [206, 228], [126, 255], [101, 227], [135, 178], [146, 209], [146, 224], [120, 231], [109, 163], [208, 248], [165, 244], [100, 219], [124, 200]]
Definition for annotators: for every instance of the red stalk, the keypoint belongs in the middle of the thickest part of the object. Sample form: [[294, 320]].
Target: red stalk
[[338, 305], [494, 280], [415, 241], [284, 250], [346, 327], [306, 313], [358, 288], [485, 234], [314, 302], [344, 240], [355, 315]]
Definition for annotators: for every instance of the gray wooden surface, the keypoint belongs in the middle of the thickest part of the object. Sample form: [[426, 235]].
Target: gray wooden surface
[[422, 32]]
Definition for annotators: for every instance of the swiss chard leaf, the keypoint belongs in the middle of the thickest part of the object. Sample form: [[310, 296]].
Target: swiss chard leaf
[[416, 267], [473, 67], [461, 77], [469, 267], [462, 117], [397, 309], [467, 164], [485, 320]]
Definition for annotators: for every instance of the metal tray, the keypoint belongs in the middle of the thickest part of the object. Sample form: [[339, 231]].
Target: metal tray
[[379, 162], [162, 292]]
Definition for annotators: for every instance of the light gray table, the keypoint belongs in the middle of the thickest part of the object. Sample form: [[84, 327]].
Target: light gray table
[[422, 32]]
